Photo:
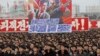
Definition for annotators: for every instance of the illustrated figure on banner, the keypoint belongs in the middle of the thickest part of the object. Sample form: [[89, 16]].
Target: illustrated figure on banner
[[31, 6], [44, 14], [59, 11]]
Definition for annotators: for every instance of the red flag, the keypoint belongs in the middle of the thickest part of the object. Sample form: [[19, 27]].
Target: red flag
[[63, 1], [67, 20], [34, 3]]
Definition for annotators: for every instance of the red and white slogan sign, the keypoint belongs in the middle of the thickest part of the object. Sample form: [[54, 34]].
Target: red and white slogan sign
[[78, 24], [98, 24], [13, 25], [94, 24]]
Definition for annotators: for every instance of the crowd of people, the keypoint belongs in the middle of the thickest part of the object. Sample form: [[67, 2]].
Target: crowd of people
[[86, 43]]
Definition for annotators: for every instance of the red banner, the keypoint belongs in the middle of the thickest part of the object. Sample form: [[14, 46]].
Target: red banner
[[80, 24], [14, 25], [98, 24], [94, 24], [68, 10]]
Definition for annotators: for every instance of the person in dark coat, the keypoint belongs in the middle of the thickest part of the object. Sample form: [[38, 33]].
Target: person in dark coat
[[35, 52], [73, 51], [48, 51], [98, 52], [86, 50], [26, 51], [1, 53], [8, 53], [80, 51], [94, 47], [20, 52], [63, 52], [91, 53]]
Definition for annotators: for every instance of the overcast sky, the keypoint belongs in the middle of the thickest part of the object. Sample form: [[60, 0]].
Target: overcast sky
[[81, 3], [4, 2], [84, 3]]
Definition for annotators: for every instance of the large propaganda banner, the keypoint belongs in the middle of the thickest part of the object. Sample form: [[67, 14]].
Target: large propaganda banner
[[46, 16]]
